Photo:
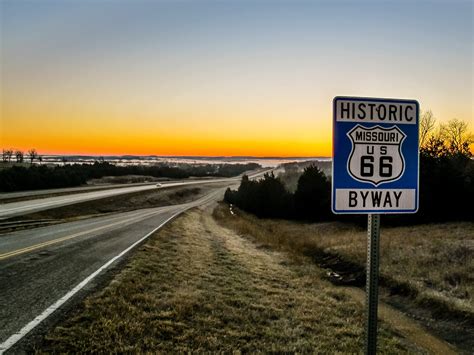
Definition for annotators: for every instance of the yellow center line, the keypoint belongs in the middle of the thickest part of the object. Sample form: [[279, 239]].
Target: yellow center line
[[50, 242]]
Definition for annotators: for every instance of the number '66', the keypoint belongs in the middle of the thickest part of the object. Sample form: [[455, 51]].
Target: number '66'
[[367, 166]]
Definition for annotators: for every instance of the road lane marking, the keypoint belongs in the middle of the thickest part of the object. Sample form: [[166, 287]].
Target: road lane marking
[[12, 340], [75, 235]]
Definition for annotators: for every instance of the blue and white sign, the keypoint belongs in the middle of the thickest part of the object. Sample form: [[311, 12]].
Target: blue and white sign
[[375, 155]]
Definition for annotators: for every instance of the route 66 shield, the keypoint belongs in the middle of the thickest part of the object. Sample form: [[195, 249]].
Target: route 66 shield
[[376, 155]]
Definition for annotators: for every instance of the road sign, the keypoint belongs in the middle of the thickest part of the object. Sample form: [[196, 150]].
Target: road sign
[[375, 170], [375, 155]]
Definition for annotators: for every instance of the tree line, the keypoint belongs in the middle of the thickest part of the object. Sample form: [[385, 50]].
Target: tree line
[[19, 155], [446, 184], [18, 178]]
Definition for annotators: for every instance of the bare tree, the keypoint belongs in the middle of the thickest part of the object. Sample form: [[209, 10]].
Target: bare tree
[[19, 156], [427, 125], [32, 154], [457, 136], [435, 147], [7, 154]]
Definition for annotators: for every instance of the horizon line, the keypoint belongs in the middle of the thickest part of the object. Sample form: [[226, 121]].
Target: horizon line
[[187, 156]]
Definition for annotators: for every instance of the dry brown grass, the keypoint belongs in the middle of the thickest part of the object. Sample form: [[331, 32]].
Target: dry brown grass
[[433, 262], [196, 286]]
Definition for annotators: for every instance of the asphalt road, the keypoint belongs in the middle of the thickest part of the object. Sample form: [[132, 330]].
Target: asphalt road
[[35, 193], [38, 267], [5, 197], [13, 209], [19, 208]]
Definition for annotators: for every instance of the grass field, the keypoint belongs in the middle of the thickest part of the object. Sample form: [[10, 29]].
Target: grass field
[[196, 286], [432, 265]]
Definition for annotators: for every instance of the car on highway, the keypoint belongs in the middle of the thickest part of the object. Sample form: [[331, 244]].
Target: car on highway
[[159, 185]]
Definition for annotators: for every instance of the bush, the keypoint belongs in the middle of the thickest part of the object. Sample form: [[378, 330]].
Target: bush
[[267, 197], [313, 195]]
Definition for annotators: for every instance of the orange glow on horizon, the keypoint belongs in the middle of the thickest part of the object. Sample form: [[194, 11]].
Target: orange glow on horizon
[[181, 148], [91, 129], [166, 133]]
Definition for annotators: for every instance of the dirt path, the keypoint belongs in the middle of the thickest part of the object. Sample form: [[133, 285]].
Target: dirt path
[[196, 286], [407, 327]]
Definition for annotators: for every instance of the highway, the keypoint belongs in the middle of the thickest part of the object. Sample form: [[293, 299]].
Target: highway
[[32, 194], [13, 209], [42, 269]]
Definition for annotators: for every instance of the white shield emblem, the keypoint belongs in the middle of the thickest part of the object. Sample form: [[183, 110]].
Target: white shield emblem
[[376, 155]]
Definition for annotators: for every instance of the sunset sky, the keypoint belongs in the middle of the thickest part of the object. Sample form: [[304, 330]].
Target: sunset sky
[[220, 77]]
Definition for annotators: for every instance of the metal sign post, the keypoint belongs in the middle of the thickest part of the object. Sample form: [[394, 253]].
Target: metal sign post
[[372, 283]]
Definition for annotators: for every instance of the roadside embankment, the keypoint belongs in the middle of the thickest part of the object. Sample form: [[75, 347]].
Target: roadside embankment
[[426, 270], [197, 286]]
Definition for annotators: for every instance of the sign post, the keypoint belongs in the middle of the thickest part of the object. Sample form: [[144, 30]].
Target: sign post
[[375, 171], [372, 283]]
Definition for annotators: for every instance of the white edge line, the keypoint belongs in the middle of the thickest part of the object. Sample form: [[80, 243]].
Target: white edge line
[[12, 340]]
